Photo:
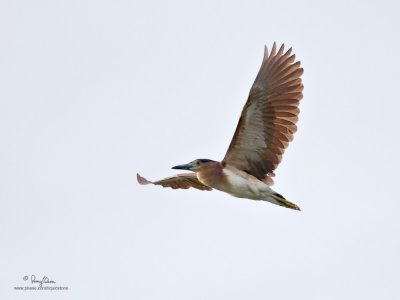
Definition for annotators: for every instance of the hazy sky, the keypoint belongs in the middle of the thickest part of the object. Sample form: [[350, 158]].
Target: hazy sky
[[93, 92]]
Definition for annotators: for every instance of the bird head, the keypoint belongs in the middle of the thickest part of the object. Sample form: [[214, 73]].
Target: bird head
[[194, 166]]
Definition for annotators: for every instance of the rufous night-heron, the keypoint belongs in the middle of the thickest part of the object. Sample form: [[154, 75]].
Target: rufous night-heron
[[265, 128]]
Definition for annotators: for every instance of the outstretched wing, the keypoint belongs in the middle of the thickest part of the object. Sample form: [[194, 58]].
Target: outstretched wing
[[268, 120], [179, 181]]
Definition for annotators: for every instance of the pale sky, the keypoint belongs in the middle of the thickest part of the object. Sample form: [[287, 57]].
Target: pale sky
[[94, 91]]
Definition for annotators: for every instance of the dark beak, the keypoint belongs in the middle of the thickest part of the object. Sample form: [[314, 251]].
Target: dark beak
[[183, 167]]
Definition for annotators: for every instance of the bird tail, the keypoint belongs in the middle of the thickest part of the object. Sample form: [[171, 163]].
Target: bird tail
[[280, 200]]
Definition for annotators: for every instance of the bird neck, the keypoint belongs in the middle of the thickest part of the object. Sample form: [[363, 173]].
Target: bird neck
[[210, 173]]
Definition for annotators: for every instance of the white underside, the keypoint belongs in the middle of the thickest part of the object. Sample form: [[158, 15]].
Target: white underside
[[243, 185]]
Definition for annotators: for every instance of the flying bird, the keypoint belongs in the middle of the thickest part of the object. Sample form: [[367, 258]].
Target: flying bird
[[266, 126]]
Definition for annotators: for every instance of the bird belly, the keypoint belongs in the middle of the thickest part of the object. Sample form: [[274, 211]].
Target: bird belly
[[242, 185]]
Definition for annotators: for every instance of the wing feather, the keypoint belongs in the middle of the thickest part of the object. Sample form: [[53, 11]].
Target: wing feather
[[179, 181], [268, 120]]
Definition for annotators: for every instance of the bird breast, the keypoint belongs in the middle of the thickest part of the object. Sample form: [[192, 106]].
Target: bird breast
[[235, 182]]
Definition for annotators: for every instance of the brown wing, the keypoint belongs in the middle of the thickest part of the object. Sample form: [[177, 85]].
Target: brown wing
[[268, 120], [179, 181]]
